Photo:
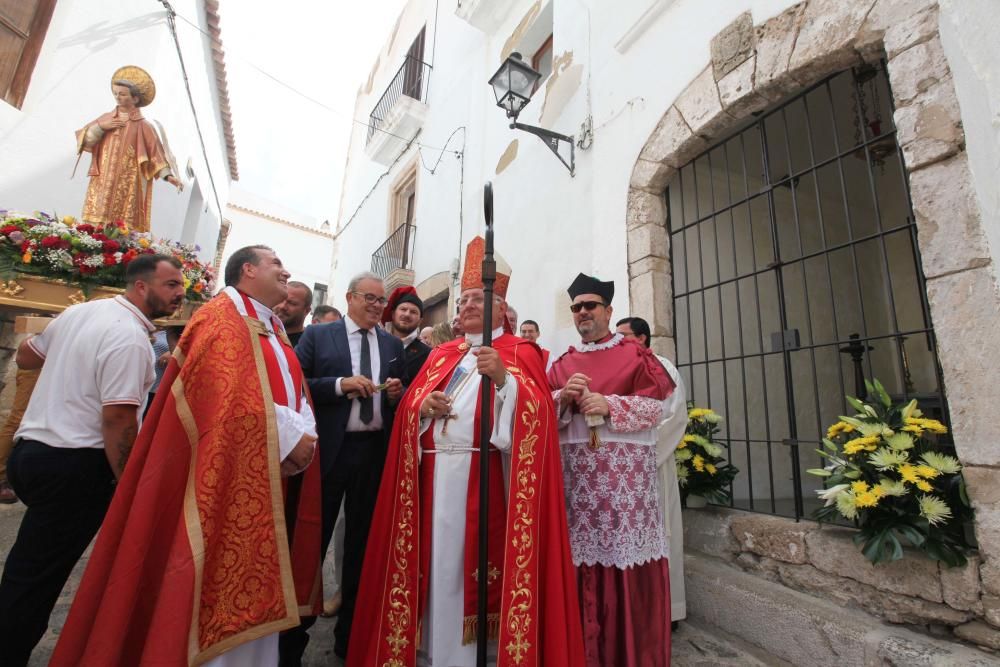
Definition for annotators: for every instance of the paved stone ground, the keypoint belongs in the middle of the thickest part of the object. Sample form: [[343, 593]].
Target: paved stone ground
[[693, 645]]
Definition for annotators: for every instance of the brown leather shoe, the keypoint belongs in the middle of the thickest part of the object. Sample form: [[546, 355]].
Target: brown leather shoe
[[331, 607], [7, 495]]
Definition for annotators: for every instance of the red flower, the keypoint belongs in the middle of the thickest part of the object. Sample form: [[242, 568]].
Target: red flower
[[109, 259], [50, 242], [86, 228], [9, 229], [112, 246], [26, 246], [129, 256], [100, 237]]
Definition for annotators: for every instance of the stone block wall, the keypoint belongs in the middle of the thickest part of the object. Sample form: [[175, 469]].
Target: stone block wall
[[753, 66], [824, 562]]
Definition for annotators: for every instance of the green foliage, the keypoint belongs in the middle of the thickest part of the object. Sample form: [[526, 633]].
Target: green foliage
[[887, 473], [701, 468]]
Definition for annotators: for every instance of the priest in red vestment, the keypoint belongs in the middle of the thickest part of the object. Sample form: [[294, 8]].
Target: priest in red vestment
[[211, 545], [418, 597], [609, 394]]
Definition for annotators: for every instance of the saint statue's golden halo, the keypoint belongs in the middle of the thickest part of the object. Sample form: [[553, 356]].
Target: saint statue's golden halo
[[139, 78]]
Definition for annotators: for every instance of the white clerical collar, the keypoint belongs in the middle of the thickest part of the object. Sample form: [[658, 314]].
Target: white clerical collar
[[606, 345], [264, 314], [476, 339], [411, 337]]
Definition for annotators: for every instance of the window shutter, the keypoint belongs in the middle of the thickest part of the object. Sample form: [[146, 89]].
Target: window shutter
[[22, 30]]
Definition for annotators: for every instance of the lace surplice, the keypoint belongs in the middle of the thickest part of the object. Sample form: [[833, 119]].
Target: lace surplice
[[612, 504]]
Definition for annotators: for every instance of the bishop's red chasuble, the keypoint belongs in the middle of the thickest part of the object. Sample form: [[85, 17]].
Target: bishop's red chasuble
[[200, 552], [532, 596]]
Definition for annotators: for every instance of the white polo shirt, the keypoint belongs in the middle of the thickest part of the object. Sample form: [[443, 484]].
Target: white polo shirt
[[96, 354]]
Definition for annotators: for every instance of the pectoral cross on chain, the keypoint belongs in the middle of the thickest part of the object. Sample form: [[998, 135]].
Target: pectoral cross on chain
[[447, 418]]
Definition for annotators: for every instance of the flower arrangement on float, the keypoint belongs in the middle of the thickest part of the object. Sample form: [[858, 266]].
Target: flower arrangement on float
[[63, 248], [702, 472], [889, 475]]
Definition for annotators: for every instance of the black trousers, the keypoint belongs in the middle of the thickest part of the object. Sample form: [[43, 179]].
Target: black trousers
[[353, 480], [67, 492]]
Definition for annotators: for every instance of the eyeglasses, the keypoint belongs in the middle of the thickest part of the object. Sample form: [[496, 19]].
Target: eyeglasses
[[476, 300], [372, 298], [586, 305]]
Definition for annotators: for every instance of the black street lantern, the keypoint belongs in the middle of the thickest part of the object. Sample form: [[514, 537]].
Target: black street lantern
[[513, 85]]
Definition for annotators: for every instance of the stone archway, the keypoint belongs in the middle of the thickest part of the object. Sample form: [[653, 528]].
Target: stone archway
[[755, 66]]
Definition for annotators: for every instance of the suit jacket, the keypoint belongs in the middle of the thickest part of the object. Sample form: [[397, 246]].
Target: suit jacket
[[415, 355], [324, 355]]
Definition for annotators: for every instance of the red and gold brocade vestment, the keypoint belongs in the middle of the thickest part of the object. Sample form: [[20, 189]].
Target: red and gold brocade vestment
[[418, 588], [205, 547]]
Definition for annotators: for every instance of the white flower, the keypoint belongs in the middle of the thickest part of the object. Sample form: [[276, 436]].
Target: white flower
[[830, 495], [95, 261]]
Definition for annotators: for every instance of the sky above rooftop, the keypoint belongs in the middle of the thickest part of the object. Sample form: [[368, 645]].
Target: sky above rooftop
[[294, 69]]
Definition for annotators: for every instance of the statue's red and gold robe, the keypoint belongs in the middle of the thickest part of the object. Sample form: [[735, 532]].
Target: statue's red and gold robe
[[125, 162], [538, 609], [199, 552]]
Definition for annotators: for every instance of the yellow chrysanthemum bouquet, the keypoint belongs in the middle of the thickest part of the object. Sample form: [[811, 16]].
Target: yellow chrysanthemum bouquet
[[887, 473], [701, 469]]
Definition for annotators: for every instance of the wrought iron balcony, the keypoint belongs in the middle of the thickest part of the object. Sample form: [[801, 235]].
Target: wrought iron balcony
[[410, 81], [395, 253]]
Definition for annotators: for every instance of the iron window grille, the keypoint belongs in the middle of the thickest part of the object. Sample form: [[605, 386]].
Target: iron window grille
[[796, 271]]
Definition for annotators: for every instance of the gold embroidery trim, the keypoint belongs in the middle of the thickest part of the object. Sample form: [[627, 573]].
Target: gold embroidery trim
[[400, 615], [518, 623]]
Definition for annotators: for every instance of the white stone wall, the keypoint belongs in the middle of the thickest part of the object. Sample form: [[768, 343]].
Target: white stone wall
[[304, 249], [968, 35], [549, 225], [85, 43]]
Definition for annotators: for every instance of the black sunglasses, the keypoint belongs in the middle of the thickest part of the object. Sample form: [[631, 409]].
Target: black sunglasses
[[589, 305]]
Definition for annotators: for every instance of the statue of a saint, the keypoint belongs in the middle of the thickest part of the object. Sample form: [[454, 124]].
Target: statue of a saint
[[127, 155]]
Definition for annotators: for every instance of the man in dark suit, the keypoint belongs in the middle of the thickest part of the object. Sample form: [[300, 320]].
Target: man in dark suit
[[405, 310], [353, 369]]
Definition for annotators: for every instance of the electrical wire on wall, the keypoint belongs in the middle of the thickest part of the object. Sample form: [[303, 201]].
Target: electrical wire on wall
[[171, 14], [230, 53]]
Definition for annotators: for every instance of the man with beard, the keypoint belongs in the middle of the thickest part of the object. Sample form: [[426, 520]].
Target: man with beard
[[419, 585], [293, 310], [405, 310], [211, 544], [75, 437], [610, 393]]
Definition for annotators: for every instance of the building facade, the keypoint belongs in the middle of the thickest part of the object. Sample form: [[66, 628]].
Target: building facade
[[56, 78], [304, 244], [795, 195]]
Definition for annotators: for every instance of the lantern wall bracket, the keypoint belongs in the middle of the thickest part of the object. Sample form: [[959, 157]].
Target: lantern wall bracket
[[554, 141]]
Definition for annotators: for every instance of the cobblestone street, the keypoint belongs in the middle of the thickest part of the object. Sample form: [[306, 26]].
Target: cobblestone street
[[693, 645]]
